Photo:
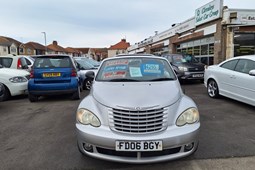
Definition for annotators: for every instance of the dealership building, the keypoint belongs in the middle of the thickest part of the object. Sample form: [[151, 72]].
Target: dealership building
[[214, 34]]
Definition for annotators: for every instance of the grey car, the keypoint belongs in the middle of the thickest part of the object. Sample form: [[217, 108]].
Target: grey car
[[136, 112]]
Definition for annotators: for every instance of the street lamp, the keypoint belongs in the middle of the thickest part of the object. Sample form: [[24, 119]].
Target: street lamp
[[44, 33]]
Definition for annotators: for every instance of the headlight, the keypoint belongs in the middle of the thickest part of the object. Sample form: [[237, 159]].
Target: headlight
[[189, 116], [17, 79], [181, 68], [86, 117]]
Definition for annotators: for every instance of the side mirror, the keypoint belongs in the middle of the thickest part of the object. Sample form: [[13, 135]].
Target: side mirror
[[252, 73], [90, 74]]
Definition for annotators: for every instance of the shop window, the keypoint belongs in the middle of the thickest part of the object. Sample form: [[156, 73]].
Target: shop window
[[197, 50], [179, 51], [204, 50], [244, 44], [184, 51], [190, 51], [211, 49]]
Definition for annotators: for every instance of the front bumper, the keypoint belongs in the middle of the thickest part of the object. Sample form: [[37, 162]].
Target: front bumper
[[103, 141], [192, 76]]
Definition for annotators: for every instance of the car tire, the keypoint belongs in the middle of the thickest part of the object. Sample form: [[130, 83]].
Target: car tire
[[212, 89], [87, 84], [6, 94], [32, 98], [77, 94]]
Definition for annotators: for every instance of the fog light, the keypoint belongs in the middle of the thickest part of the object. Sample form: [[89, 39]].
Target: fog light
[[188, 147], [88, 147]]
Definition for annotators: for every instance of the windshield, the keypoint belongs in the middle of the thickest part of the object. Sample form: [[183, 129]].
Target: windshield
[[135, 69], [84, 65], [184, 59]]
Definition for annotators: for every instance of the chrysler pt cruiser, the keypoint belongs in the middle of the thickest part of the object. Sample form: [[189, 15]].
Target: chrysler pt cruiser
[[136, 112]]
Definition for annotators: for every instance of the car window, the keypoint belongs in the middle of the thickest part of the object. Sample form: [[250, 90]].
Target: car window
[[23, 61], [56, 61], [245, 66], [6, 62], [229, 65], [28, 62], [135, 69]]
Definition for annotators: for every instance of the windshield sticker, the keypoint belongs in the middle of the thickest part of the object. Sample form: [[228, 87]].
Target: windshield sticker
[[151, 68], [117, 62], [135, 72], [116, 74], [115, 68]]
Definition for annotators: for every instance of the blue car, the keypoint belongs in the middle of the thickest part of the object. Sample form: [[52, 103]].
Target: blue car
[[53, 75]]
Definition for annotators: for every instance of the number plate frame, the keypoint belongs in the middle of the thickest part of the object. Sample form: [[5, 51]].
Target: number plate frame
[[139, 145]]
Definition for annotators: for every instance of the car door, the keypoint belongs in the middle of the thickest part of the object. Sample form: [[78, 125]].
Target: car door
[[243, 83], [224, 76]]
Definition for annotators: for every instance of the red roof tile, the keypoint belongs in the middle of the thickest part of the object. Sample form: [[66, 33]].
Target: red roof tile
[[120, 45]]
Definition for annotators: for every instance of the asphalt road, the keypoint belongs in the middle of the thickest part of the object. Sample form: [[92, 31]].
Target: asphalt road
[[41, 135]]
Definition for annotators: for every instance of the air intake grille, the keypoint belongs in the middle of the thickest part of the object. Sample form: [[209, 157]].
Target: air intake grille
[[138, 122]]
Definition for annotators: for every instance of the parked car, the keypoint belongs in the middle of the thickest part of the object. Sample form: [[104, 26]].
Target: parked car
[[233, 78], [53, 75], [84, 66], [90, 60], [14, 61], [187, 67], [136, 112], [2, 89], [14, 81]]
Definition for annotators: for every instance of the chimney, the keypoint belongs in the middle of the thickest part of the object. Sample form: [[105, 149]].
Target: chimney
[[123, 40], [55, 43]]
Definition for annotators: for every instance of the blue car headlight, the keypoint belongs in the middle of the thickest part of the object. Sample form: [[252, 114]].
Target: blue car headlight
[[189, 116], [18, 79], [86, 117]]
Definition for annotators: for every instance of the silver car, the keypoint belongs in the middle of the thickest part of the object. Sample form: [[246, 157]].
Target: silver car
[[136, 112]]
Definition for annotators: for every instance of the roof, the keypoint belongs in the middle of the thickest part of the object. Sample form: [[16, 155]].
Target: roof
[[4, 41], [83, 50], [55, 47], [12, 40], [71, 50], [120, 45], [36, 45]]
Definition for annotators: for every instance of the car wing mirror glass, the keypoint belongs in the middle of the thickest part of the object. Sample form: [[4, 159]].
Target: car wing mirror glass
[[90, 74], [252, 72]]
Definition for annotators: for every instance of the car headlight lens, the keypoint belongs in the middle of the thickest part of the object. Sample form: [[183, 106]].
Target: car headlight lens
[[189, 116], [86, 117], [181, 68], [17, 79]]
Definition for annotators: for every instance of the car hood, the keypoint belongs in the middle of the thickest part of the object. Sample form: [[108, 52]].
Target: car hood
[[191, 65], [13, 72], [130, 95]]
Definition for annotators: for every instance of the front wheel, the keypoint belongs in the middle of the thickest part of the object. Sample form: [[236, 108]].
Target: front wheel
[[212, 89], [87, 84]]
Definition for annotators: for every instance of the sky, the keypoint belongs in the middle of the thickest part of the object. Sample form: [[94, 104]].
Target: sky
[[96, 23]]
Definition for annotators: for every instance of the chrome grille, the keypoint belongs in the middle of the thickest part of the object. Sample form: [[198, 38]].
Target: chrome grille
[[138, 122]]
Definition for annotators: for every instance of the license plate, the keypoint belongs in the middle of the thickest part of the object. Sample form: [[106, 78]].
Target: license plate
[[198, 75], [138, 146], [51, 74]]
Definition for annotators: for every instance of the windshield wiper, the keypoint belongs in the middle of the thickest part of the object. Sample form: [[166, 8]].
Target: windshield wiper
[[162, 79], [123, 79]]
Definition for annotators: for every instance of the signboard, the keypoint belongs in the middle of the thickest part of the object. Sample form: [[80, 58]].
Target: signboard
[[208, 12]]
